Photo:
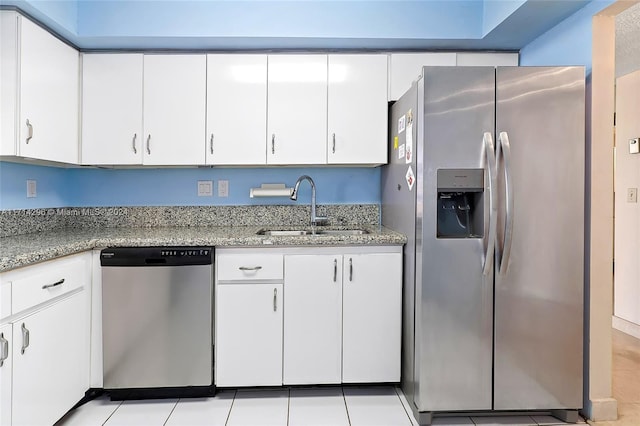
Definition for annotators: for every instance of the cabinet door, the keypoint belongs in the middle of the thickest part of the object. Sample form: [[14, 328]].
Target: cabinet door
[[357, 109], [112, 109], [249, 335], [236, 109], [6, 358], [49, 83], [174, 109], [53, 372], [297, 109], [405, 68], [313, 319], [372, 318]]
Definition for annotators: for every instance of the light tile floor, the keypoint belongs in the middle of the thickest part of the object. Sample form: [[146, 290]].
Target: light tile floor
[[336, 406], [626, 380]]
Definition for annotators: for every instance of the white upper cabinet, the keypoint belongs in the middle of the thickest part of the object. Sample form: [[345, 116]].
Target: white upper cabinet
[[40, 74], [495, 59], [405, 68], [357, 109], [236, 109], [174, 109], [112, 109], [297, 109]]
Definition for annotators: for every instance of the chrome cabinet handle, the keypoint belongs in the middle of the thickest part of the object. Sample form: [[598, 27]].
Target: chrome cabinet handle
[[57, 283], [505, 149], [25, 339], [350, 269], [334, 144], [493, 207], [211, 144], [250, 268], [135, 150], [273, 143], [149, 144], [30, 128], [275, 299], [4, 349], [335, 270]]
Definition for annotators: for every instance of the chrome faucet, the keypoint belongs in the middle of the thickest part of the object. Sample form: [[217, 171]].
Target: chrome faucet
[[315, 220]]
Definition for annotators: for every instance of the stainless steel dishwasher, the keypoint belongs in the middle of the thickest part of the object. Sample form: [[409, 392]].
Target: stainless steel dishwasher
[[157, 321]]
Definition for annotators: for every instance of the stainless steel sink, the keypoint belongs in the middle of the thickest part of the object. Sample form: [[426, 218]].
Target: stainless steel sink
[[281, 233], [342, 232], [302, 232]]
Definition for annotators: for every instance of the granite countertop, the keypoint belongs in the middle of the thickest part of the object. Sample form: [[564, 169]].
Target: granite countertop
[[27, 249]]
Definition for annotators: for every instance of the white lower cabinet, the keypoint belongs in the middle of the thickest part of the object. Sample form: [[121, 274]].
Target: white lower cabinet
[[313, 319], [249, 335], [340, 321], [371, 317], [50, 362], [6, 359], [44, 340]]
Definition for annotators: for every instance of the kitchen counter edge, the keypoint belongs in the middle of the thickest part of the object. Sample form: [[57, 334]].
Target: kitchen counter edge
[[28, 249]]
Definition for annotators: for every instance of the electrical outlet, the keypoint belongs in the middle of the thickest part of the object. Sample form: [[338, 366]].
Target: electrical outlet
[[632, 195], [31, 188], [223, 188], [205, 188]]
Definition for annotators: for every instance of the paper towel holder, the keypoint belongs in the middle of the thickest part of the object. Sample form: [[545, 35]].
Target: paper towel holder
[[271, 190]]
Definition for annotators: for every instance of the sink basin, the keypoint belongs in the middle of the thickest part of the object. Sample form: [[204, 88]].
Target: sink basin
[[301, 232], [279, 233], [342, 232]]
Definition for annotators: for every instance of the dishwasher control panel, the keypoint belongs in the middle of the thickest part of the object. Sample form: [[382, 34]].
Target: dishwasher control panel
[[156, 256]]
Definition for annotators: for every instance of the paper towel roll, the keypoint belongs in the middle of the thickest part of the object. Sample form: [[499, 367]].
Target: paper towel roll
[[271, 190]]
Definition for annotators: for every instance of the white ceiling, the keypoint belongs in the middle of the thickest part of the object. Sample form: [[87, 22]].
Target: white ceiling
[[628, 41]]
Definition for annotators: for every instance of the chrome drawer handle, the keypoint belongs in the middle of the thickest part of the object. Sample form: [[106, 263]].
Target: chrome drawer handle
[[350, 269], [250, 268], [25, 338], [57, 283], [149, 144], [335, 270], [273, 143], [4, 349]]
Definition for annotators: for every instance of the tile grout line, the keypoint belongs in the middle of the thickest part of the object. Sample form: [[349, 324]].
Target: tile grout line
[[112, 413], [288, 406], [344, 398], [172, 410], [235, 393], [395, 389]]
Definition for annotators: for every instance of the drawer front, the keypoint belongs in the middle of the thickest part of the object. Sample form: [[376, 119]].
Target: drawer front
[[249, 267], [59, 277]]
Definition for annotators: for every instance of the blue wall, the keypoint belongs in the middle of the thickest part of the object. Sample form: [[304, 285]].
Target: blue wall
[[54, 188], [496, 11], [568, 43], [82, 187]]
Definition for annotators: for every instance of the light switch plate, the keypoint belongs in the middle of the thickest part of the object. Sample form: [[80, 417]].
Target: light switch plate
[[31, 188], [632, 195], [223, 188], [205, 188], [634, 146]]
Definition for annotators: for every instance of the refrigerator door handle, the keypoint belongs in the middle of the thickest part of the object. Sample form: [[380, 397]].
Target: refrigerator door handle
[[489, 149], [505, 147]]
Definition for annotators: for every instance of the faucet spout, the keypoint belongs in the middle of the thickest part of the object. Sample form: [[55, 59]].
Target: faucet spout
[[315, 220]]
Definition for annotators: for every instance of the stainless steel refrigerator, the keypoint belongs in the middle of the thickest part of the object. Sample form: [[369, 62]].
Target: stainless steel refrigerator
[[486, 178]]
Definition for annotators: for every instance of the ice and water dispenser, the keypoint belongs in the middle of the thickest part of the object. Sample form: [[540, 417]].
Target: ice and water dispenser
[[460, 203]]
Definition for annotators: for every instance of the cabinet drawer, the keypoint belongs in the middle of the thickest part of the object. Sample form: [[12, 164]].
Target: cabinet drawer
[[57, 278], [249, 267]]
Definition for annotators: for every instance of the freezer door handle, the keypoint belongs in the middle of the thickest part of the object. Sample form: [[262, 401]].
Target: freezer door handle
[[489, 149], [504, 151]]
